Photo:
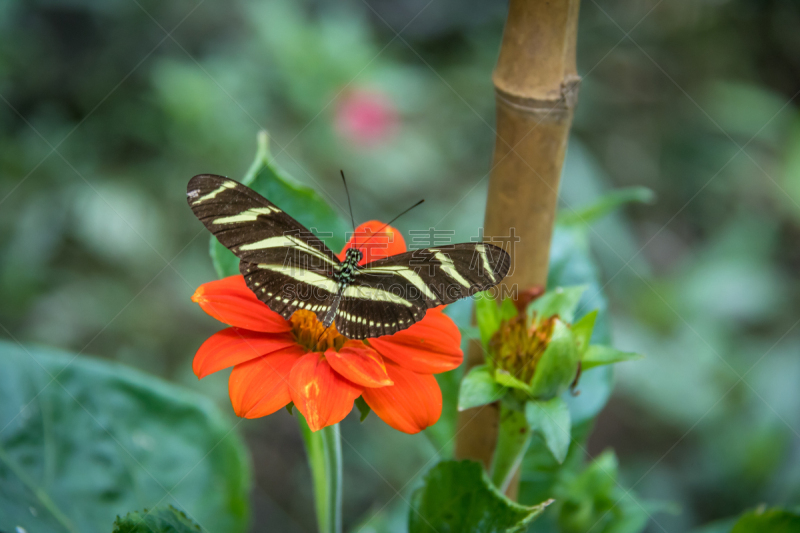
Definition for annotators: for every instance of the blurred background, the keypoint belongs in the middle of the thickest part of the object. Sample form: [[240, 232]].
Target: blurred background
[[110, 107]]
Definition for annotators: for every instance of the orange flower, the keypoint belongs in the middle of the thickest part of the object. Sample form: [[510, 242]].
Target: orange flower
[[277, 361]]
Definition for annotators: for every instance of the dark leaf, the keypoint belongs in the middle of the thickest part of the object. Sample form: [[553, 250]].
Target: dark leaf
[[768, 521], [363, 408], [85, 440], [160, 520]]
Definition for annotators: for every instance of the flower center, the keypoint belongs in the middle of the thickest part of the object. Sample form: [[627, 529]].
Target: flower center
[[311, 333], [518, 346]]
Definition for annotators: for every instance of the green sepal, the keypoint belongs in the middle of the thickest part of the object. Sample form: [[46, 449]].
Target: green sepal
[[159, 520], [598, 355], [604, 205], [557, 368], [363, 408], [560, 301], [479, 388], [458, 496], [504, 378], [551, 420], [582, 330], [302, 203], [487, 315], [768, 521], [290, 408]]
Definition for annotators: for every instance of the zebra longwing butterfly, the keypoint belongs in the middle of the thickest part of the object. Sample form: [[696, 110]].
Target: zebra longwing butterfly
[[289, 268]]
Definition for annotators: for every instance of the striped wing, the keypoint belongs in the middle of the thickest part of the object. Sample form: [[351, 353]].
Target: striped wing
[[393, 293], [280, 259], [286, 289]]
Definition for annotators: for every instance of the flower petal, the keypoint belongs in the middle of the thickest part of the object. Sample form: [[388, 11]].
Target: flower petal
[[413, 403], [230, 301], [260, 386], [233, 346], [322, 395], [359, 363], [430, 346], [388, 242]]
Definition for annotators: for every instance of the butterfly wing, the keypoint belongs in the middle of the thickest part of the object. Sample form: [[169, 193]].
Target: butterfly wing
[[285, 288], [391, 294], [281, 260]]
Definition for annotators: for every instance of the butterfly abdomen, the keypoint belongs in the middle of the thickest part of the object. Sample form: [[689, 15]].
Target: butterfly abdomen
[[344, 276]]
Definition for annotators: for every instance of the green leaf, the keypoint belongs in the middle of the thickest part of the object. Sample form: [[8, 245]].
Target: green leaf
[[479, 388], [582, 330], [160, 520], [598, 355], [487, 315], [605, 205], [560, 301], [542, 475], [458, 497], [101, 439], [363, 408], [587, 499], [571, 264], [302, 203], [508, 310], [470, 333], [768, 521], [441, 433], [593, 499], [552, 421], [558, 366], [593, 391]]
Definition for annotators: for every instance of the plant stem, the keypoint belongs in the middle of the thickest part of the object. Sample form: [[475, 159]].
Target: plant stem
[[324, 449], [513, 439], [536, 86]]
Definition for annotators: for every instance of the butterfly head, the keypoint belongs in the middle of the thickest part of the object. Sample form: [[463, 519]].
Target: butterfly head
[[353, 256], [349, 266]]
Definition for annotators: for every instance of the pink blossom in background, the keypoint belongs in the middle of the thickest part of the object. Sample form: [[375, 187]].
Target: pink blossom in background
[[366, 117]]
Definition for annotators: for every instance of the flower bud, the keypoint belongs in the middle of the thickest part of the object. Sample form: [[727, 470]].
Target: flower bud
[[517, 346]]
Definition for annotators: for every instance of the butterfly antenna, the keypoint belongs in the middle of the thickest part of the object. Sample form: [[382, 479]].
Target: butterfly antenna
[[353, 220], [388, 223], [321, 334]]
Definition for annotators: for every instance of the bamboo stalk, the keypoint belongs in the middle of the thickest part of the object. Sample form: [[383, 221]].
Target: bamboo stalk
[[536, 88]]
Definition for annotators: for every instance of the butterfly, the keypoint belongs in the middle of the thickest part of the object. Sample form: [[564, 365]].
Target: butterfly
[[288, 268]]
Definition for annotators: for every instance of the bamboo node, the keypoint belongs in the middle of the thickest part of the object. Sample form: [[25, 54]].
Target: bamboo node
[[550, 109]]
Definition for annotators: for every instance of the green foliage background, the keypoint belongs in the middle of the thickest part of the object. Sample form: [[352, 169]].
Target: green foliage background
[[105, 116]]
